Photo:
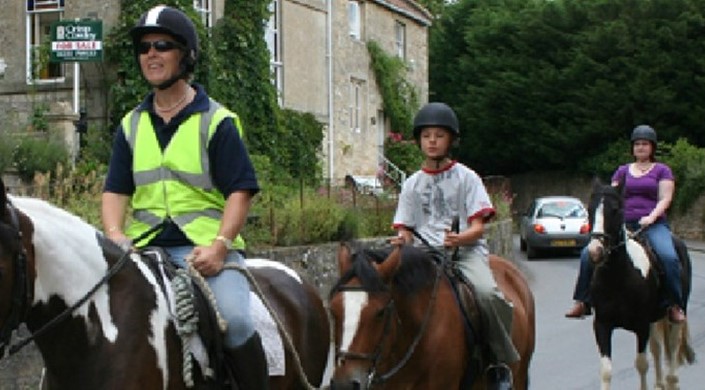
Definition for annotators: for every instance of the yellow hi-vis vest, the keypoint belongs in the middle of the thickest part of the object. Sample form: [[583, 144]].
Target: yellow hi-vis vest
[[176, 182]]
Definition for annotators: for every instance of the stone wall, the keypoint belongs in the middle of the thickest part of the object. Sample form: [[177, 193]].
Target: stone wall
[[316, 264]]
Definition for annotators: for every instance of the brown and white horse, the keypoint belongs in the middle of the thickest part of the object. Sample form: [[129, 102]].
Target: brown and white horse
[[397, 324], [102, 319], [625, 293]]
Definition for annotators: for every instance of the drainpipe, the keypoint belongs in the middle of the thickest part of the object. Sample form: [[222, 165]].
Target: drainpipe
[[331, 121]]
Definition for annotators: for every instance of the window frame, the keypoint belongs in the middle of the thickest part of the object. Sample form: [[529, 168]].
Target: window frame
[[35, 12], [356, 104], [204, 9], [274, 45], [400, 39], [355, 19]]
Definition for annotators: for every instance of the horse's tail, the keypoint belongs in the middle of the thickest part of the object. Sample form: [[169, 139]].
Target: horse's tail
[[686, 354]]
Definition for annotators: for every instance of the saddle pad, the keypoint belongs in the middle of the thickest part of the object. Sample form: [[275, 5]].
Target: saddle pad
[[268, 332]]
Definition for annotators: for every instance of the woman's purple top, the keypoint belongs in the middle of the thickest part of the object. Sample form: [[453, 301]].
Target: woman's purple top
[[641, 193]]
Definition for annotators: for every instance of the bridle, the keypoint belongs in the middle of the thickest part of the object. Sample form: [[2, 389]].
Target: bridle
[[610, 243], [22, 293], [373, 377]]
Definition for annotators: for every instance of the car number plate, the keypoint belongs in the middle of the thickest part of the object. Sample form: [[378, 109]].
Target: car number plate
[[563, 243]]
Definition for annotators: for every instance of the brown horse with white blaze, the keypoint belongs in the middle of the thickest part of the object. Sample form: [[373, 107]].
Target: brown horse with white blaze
[[398, 325]]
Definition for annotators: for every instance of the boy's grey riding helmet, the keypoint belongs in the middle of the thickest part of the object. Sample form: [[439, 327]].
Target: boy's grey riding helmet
[[167, 20], [436, 114]]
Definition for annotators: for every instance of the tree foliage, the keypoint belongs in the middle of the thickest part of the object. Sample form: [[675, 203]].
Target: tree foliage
[[542, 84]]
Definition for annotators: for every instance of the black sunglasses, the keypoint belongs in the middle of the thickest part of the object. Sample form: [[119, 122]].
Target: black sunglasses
[[160, 46]]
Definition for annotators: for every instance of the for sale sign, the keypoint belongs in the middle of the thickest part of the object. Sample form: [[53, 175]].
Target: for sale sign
[[79, 40]]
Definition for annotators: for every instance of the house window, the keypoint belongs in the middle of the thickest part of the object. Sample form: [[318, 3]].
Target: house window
[[40, 15], [354, 19], [356, 104], [400, 39], [204, 8], [273, 38]]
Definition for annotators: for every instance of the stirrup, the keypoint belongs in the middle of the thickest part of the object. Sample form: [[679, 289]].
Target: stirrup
[[499, 377]]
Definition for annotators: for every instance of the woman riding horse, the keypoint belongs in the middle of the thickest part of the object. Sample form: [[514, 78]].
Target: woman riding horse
[[179, 161], [648, 191]]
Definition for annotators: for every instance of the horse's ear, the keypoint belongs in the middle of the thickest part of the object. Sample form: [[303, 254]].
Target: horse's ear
[[596, 183], [389, 266], [344, 258]]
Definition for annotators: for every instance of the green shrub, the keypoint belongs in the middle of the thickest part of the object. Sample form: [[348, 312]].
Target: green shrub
[[403, 153], [317, 219], [96, 146], [37, 155], [7, 146], [688, 165]]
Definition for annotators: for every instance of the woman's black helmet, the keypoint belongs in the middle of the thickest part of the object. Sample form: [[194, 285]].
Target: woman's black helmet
[[436, 114], [644, 132], [167, 20]]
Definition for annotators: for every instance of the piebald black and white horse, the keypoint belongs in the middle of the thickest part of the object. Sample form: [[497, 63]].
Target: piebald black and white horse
[[626, 293], [103, 319]]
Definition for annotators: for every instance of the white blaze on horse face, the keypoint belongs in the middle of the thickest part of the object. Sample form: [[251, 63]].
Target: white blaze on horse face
[[353, 303], [69, 262], [639, 256], [595, 245]]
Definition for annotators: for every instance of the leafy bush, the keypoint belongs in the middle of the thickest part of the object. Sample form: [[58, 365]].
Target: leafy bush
[[37, 155], [7, 146], [318, 219], [403, 153], [96, 146], [688, 165]]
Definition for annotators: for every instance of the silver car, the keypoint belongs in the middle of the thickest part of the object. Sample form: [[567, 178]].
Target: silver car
[[553, 222]]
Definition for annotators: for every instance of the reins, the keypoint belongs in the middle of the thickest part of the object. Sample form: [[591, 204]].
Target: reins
[[14, 348], [379, 379]]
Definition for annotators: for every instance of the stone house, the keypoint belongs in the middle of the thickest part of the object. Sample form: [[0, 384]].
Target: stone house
[[320, 65]]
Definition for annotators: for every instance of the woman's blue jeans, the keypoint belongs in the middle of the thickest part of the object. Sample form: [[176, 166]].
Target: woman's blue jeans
[[232, 295], [661, 241]]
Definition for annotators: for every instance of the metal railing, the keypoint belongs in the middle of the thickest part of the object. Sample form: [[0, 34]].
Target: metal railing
[[392, 172]]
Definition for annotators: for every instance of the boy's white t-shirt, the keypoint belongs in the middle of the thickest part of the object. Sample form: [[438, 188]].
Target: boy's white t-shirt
[[430, 199]]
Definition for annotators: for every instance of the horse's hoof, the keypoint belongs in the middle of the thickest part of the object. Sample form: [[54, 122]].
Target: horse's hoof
[[676, 314], [499, 377]]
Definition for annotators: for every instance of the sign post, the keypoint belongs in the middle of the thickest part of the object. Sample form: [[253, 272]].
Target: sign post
[[76, 41]]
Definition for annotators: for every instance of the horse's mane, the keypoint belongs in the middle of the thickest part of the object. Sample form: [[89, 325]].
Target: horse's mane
[[417, 271]]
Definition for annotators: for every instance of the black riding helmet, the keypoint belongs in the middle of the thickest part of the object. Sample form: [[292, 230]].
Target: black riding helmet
[[647, 133], [167, 20], [644, 132], [436, 114]]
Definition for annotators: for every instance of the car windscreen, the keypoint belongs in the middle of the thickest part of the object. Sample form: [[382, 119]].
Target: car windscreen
[[561, 209]]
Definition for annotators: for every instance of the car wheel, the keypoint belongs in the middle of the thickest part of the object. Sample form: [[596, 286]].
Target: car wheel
[[531, 252], [522, 244]]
